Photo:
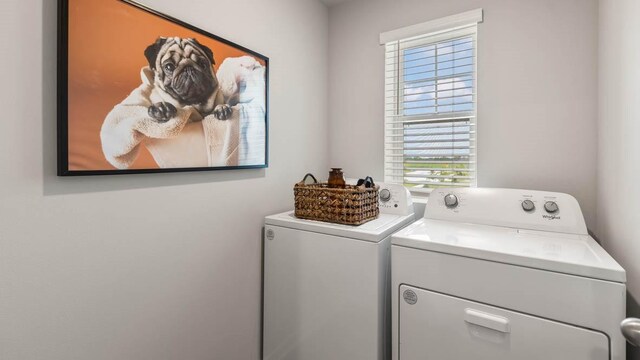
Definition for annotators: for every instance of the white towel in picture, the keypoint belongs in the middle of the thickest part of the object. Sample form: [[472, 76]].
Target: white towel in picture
[[242, 81]]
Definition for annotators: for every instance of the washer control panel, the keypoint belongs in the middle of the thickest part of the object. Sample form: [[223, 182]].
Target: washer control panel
[[522, 209], [394, 199]]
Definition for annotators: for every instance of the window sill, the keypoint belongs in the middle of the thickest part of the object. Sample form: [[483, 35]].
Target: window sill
[[420, 198]]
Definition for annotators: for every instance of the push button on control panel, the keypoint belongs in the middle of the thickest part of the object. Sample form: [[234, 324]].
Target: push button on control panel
[[528, 205], [551, 207]]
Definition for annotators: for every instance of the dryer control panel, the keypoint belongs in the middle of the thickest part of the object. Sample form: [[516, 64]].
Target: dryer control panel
[[521, 209]]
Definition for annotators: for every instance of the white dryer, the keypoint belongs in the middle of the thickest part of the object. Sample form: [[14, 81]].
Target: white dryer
[[327, 286], [497, 274]]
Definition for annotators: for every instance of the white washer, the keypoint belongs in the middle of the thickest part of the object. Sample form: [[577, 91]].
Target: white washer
[[496, 274], [327, 286]]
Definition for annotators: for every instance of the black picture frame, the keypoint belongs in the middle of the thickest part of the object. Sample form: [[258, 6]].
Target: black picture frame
[[63, 109]]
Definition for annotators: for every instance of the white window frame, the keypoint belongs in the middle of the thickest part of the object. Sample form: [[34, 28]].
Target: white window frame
[[451, 27]]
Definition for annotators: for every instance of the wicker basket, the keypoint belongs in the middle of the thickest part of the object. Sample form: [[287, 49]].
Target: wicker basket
[[353, 205]]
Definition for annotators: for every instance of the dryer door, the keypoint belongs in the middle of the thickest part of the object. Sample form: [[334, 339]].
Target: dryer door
[[434, 326]]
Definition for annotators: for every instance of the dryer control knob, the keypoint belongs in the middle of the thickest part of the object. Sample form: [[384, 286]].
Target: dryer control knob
[[451, 200], [385, 195], [551, 207], [528, 205]]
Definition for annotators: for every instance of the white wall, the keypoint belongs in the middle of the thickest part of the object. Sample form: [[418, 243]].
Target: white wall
[[164, 266], [618, 145], [537, 89]]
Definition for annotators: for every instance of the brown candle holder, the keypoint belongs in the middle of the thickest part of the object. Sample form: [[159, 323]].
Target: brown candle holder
[[336, 178]]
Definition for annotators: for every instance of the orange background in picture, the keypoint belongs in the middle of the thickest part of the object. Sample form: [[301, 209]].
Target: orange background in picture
[[107, 39]]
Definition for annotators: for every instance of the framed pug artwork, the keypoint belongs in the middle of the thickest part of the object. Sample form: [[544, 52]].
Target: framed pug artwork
[[142, 92]]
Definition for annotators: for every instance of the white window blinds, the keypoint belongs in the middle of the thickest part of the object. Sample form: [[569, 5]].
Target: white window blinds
[[430, 110]]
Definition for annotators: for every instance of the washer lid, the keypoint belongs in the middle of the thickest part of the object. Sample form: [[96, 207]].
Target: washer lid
[[564, 253], [374, 230]]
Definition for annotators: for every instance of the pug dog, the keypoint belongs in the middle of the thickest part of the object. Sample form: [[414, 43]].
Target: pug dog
[[179, 88], [184, 76]]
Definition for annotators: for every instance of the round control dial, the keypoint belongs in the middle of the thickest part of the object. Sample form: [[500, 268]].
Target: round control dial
[[385, 195], [451, 200], [528, 205], [551, 207]]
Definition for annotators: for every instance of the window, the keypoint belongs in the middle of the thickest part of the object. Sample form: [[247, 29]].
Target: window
[[430, 109]]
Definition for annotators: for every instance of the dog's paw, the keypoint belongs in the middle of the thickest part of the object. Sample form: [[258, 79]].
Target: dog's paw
[[222, 112], [162, 111]]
